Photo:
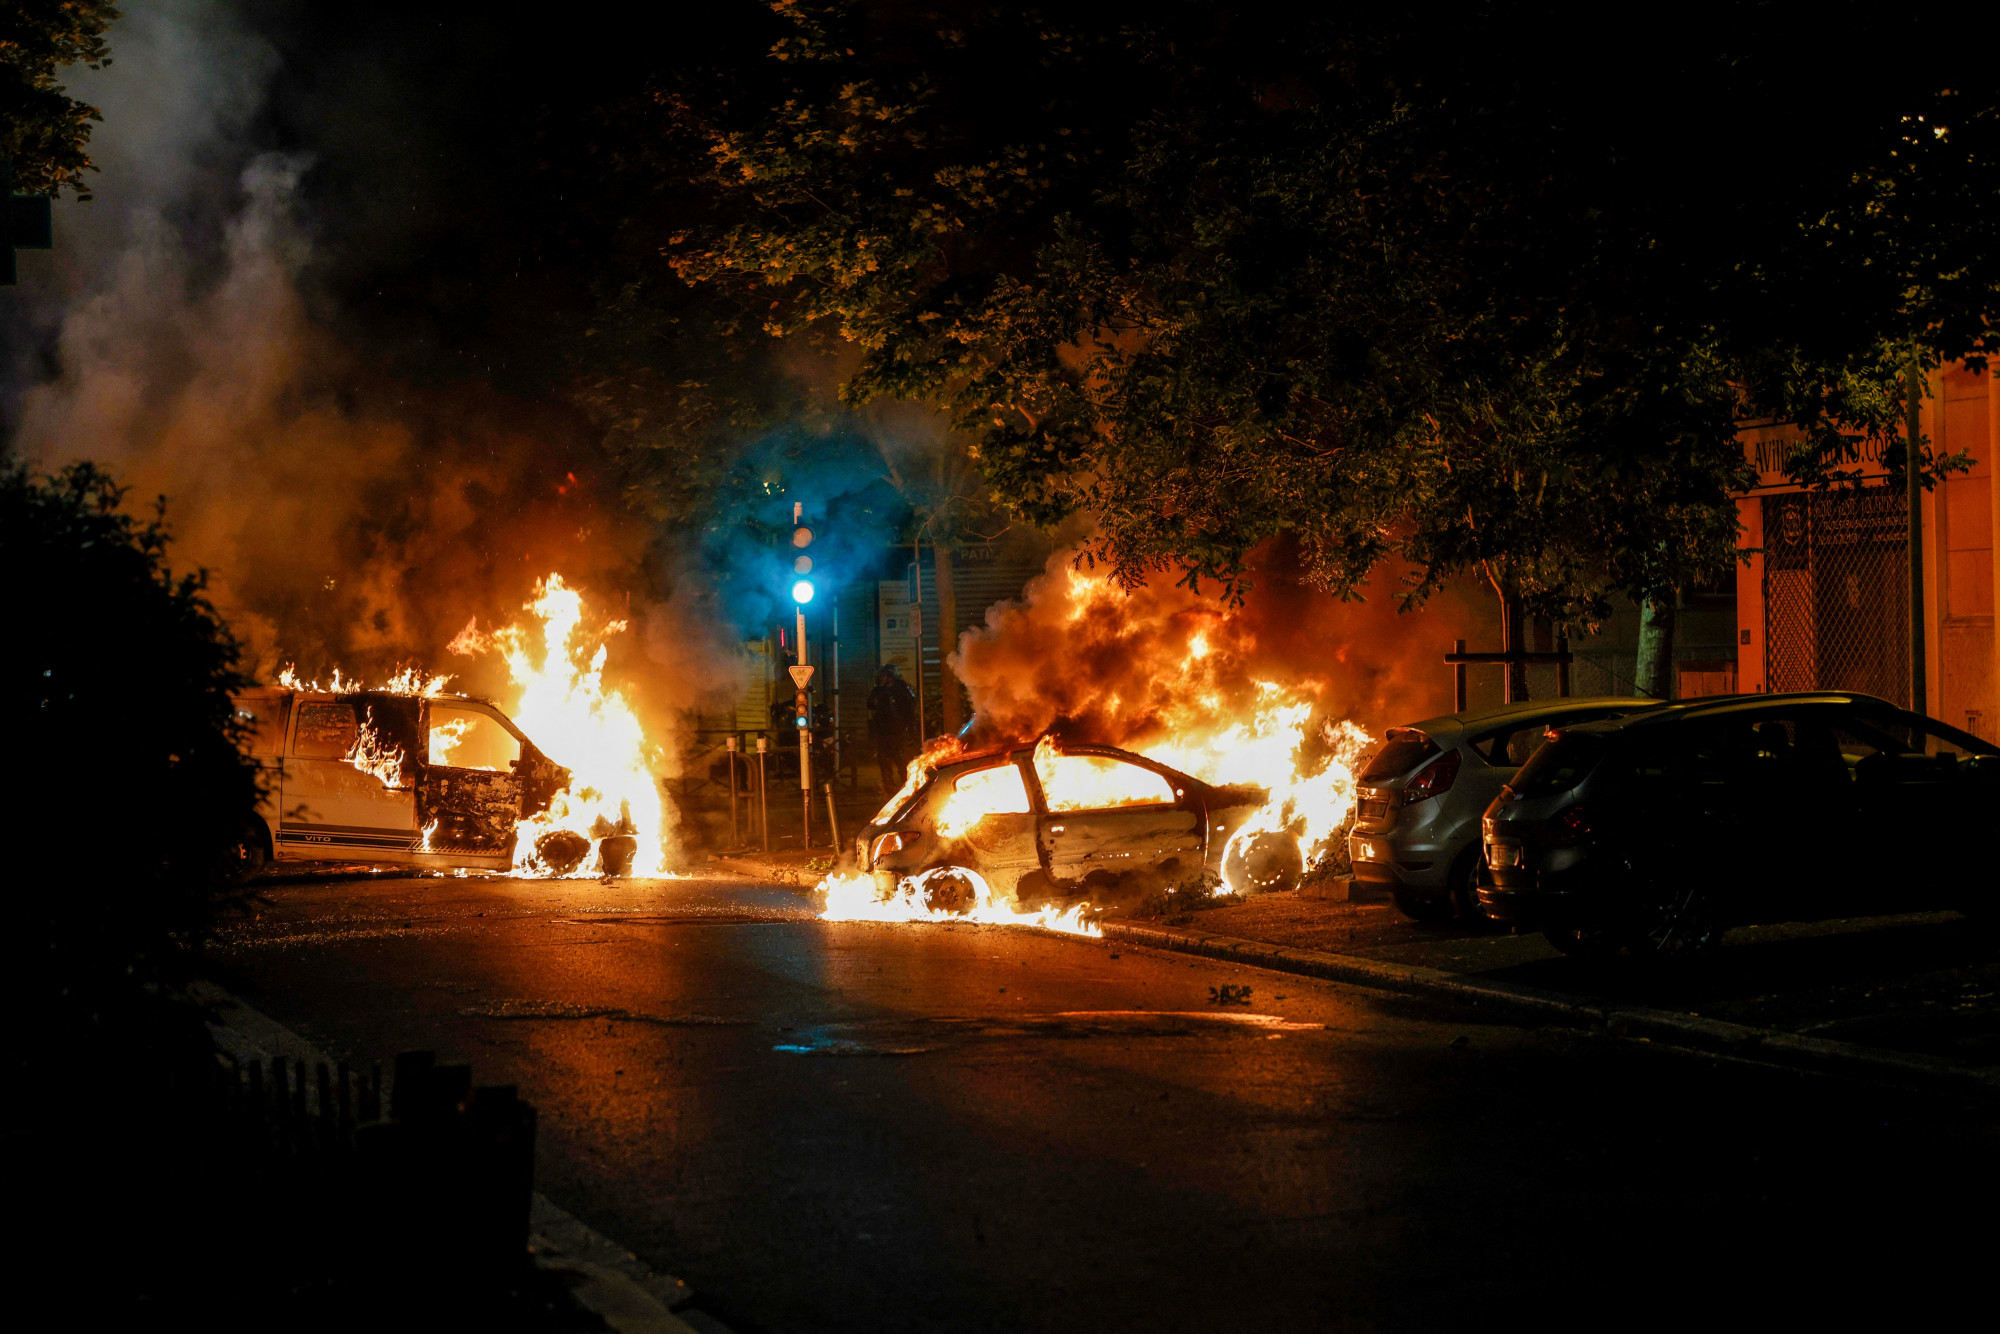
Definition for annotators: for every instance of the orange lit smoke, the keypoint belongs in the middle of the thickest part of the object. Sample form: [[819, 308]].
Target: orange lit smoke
[[1281, 691]]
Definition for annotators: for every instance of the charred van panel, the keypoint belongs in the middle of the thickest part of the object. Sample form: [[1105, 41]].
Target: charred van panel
[[474, 811]]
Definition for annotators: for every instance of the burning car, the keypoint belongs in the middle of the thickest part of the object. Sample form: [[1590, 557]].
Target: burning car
[[409, 779], [1022, 827]]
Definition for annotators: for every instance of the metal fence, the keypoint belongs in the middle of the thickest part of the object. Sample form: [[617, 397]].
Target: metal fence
[[1836, 600]]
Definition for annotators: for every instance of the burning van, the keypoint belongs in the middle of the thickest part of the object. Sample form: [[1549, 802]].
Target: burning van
[[1025, 827], [378, 776]]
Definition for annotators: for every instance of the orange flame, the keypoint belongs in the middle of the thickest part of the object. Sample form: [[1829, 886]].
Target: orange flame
[[855, 897], [563, 704], [375, 757]]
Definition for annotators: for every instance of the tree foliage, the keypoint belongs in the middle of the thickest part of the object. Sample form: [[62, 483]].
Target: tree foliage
[[1466, 284], [43, 129], [129, 785]]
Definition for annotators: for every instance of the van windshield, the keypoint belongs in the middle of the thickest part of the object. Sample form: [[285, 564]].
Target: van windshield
[[1559, 765], [1401, 751]]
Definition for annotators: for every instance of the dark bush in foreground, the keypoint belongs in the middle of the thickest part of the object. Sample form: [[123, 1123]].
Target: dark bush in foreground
[[129, 786]]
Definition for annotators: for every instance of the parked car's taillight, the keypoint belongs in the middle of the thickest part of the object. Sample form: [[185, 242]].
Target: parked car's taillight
[[1568, 829], [1433, 781]]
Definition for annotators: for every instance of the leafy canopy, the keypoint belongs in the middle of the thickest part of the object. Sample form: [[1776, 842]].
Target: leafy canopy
[[1465, 284], [43, 129]]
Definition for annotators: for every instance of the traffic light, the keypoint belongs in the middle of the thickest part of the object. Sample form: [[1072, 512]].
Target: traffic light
[[802, 703], [802, 564]]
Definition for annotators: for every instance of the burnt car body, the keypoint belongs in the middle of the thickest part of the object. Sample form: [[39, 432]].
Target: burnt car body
[[453, 779], [1423, 791], [1658, 831], [1086, 820]]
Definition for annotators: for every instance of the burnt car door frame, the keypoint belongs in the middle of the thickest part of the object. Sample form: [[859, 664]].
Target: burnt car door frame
[[476, 810], [1190, 799]]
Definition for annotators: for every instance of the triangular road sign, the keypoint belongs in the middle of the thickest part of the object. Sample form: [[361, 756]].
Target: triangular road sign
[[800, 676]]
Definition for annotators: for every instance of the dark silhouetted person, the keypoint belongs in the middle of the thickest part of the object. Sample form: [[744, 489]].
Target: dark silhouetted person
[[892, 723]]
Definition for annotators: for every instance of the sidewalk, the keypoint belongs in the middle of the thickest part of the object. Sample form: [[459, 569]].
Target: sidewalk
[[1907, 996]]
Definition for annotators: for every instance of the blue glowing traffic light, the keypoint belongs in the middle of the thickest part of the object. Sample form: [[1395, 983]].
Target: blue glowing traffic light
[[802, 591]]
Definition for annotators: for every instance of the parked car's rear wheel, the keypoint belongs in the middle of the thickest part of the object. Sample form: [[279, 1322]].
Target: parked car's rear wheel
[[1421, 907], [1584, 942], [1679, 922], [1468, 872]]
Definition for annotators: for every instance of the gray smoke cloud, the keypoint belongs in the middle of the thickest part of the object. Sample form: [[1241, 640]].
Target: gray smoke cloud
[[343, 518]]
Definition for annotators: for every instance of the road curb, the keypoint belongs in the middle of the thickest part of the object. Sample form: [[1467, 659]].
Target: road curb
[[767, 871], [604, 1278], [1681, 1030]]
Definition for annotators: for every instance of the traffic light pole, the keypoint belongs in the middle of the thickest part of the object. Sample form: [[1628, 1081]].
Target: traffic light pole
[[805, 750]]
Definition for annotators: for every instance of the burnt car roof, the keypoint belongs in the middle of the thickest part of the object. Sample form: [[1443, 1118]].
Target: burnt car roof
[[990, 754]]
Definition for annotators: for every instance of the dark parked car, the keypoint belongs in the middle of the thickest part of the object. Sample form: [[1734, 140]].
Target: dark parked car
[[1416, 820], [1658, 831], [1039, 823]]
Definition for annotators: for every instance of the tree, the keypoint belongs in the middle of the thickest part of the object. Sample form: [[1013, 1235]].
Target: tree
[[43, 129], [1463, 284], [131, 787]]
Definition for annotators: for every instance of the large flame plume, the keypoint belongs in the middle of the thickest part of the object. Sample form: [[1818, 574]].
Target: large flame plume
[[562, 703], [1279, 690]]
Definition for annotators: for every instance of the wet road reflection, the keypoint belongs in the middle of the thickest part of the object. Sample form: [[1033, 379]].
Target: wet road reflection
[[881, 1127]]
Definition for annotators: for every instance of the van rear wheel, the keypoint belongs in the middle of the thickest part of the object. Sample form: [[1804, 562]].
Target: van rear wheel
[[243, 858]]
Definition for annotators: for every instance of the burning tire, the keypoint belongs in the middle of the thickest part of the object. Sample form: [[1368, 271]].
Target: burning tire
[[615, 854], [950, 890], [1270, 863], [561, 850]]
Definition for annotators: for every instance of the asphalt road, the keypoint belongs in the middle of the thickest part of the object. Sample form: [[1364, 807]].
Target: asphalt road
[[875, 1127]]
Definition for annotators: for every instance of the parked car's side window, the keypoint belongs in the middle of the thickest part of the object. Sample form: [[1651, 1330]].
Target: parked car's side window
[[1512, 746], [1887, 750], [1800, 748], [326, 730], [1401, 751], [1560, 765], [1097, 782], [463, 738]]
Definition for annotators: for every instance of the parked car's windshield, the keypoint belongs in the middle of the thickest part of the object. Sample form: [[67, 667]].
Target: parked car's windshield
[[1401, 751], [1559, 765]]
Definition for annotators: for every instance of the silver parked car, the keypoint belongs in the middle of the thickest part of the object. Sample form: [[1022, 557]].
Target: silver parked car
[[1416, 828]]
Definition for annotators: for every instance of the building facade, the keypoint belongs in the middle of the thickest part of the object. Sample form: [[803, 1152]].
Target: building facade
[[1823, 602]]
